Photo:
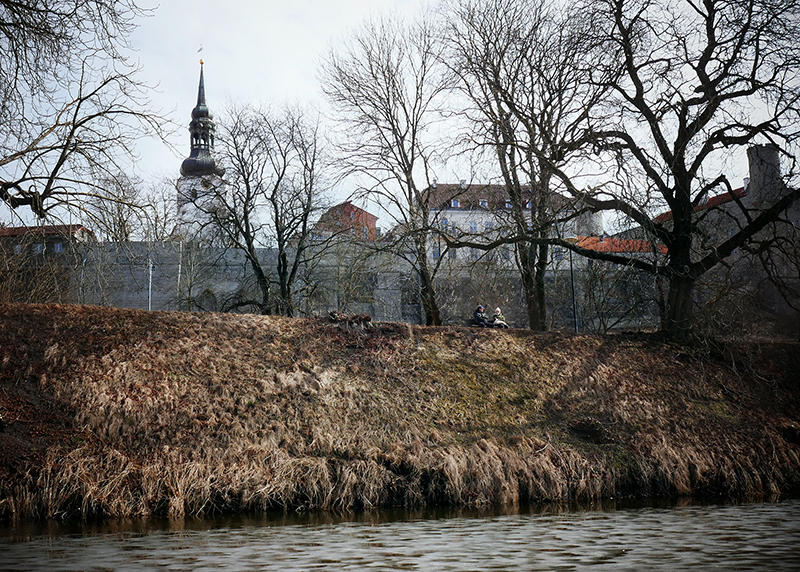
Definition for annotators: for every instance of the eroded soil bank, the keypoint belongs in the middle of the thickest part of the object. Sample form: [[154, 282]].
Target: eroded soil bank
[[109, 412]]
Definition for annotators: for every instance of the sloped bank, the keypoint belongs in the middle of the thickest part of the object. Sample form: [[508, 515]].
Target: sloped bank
[[123, 413]]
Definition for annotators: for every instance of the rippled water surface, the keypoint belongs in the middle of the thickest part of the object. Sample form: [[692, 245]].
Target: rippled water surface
[[740, 537]]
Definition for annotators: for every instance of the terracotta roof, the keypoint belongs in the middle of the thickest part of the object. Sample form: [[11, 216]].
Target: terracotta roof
[[618, 245], [47, 230], [347, 216], [714, 201]]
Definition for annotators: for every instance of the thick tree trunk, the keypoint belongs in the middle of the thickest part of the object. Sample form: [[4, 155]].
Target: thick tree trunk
[[534, 288], [427, 294], [430, 306], [678, 319]]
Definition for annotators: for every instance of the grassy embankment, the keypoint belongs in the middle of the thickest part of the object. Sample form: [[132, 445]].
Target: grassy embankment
[[121, 413]]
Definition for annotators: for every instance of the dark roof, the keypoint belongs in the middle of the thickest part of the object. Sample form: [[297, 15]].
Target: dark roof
[[48, 230], [200, 161]]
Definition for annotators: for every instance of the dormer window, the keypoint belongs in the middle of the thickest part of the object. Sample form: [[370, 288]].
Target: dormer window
[[484, 203], [455, 203]]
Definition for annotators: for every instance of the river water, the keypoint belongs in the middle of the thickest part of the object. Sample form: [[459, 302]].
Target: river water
[[758, 536]]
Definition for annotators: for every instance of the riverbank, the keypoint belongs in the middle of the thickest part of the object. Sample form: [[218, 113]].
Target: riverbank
[[122, 413]]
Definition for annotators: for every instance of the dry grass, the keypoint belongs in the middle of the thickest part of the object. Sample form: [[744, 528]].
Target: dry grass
[[123, 413]]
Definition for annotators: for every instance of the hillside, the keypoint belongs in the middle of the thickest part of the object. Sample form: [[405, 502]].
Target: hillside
[[110, 412]]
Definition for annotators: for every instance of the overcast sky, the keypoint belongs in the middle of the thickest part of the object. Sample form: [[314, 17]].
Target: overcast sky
[[254, 50]]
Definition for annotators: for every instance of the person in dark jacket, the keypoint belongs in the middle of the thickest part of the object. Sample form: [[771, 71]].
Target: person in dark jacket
[[479, 318]]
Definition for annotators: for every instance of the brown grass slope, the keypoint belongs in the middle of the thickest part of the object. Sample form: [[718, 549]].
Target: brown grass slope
[[119, 413]]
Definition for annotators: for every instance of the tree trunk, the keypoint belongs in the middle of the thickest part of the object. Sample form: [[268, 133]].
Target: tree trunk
[[534, 287], [433, 316], [677, 322], [261, 279], [427, 294], [541, 269], [678, 319], [285, 307]]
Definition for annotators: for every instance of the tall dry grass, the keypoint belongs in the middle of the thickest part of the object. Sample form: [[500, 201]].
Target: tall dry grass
[[191, 414]]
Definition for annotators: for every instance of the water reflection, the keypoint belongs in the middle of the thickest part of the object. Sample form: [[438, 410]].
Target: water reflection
[[696, 537]]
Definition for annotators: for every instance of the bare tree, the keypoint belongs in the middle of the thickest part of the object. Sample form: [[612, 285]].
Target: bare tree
[[118, 216], [158, 202], [519, 66], [614, 296], [31, 276], [384, 82], [274, 188], [71, 107], [692, 84]]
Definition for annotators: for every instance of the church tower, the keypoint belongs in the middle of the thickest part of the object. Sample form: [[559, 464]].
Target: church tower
[[201, 177]]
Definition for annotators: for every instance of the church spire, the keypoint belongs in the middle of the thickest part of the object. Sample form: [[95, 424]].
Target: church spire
[[201, 129]]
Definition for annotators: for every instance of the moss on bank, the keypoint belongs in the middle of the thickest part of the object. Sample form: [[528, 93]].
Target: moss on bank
[[124, 413]]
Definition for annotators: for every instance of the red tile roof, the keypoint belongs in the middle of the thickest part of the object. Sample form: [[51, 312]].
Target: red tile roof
[[714, 201], [618, 245], [347, 216]]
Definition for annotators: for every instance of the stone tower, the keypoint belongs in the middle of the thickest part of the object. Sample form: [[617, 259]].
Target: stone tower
[[201, 176]]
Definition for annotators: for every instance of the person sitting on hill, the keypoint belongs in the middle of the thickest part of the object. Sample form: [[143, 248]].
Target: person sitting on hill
[[498, 320], [479, 318]]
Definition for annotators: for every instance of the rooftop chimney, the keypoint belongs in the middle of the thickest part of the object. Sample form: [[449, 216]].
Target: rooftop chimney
[[765, 186]]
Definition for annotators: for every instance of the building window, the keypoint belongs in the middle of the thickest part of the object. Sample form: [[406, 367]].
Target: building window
[[453, 253], [455, 203], [527, 205], [484, 203], [436, 253], [487, 226], [473, 254], [508, 204], [38, 248], [473, 227], [17, 249], [505, 254], [59, 247]]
